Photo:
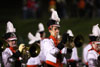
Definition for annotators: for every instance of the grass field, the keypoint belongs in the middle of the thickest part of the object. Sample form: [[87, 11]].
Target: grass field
[[24, 26]]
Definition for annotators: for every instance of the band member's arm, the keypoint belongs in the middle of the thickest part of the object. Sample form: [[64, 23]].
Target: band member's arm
[[92, 61], [17, 54], [49, 47], [5, 56], [9, 56]]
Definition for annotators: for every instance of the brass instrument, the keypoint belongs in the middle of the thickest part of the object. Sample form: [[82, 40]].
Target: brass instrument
[[32, 50], [75, 41], [70, 42], [79, 40]]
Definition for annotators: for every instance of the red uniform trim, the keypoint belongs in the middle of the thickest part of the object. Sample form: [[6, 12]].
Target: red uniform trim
[[12, 49], [32, 65], [70, 60], [12, 38], [86, 63], [54, 39], [51, 63], [58, 64]]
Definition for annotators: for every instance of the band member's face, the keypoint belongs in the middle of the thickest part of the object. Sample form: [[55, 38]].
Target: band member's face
[[54, 31], [12, 43]]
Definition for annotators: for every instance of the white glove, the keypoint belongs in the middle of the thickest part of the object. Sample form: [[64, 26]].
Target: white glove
[[21, 47]]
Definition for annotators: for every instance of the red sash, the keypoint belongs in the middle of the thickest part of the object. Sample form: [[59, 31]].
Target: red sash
[[55, 40], [12, 49]]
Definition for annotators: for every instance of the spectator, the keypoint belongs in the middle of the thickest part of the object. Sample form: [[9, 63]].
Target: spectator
[[81, 7]]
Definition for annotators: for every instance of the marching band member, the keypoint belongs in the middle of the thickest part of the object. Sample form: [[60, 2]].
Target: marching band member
[[49, 45], [93, 56], [92, 37], [11, 55], [74, 56], [33, 61], [42, 35]]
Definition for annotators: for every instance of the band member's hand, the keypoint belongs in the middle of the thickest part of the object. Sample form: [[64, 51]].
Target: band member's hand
[[21, 47]]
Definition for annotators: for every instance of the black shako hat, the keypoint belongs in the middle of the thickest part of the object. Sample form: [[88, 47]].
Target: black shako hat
[[52, 22], [10, 36]]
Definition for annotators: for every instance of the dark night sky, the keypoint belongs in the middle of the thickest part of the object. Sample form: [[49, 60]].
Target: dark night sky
[[17, 3], [10, 8], [10, 3]]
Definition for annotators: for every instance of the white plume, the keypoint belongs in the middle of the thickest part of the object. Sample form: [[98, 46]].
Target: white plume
[[31, 37], [41, 27], [37, 35], [70, 33], [96, 30], [54, 15], [10, 27]]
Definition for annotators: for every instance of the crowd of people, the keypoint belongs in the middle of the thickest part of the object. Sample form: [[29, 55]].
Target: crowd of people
[[31, 9], [55, 51], [65, 8]]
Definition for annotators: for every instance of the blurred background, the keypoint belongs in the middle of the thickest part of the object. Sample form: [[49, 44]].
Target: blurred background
[[77, 15]]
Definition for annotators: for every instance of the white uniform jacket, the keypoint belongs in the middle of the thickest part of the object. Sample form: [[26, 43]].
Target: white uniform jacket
[[34, 61], [74, 55], [92, 58], [85, 52], [41, 55], [49, 50], [7, 59]]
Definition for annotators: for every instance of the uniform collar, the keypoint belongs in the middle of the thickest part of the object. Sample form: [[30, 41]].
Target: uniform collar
[[54, 39], [94, 50], [90, 43], [12, 49]]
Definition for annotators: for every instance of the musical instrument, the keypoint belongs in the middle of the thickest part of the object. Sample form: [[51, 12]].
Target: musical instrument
[[75, 41], [32, 50]]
